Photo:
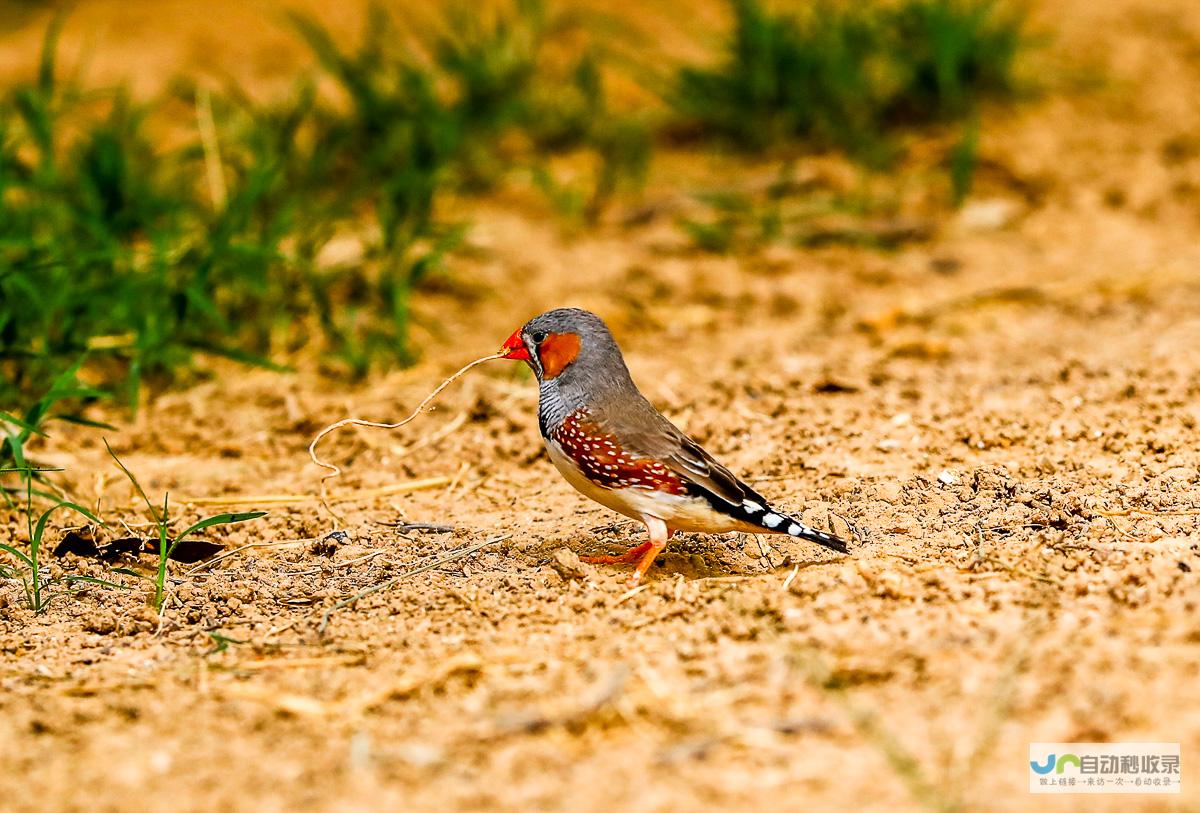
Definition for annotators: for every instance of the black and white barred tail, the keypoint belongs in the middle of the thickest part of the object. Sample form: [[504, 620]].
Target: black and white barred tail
[[772, 521], [756, 511]]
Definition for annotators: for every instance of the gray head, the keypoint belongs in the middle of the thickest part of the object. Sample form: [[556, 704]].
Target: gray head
[[569, 346]]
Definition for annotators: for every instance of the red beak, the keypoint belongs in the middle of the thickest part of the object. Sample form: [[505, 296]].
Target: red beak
[[514, 347]]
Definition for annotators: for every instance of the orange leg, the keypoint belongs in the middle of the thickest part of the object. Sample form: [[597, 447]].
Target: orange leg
[[659, 534], [632, 555], [643, 554]]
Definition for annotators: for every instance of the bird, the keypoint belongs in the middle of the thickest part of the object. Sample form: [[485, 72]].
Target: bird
[[615, 447]]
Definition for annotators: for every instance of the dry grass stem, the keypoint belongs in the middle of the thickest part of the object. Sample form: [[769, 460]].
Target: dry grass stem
[[335, 470], [206, 565], [790, 578], [1148, 512], [628, 594], [266, 664]]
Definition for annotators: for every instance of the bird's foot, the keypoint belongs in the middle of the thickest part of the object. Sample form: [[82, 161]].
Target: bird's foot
[[632, 555], [643, 554]]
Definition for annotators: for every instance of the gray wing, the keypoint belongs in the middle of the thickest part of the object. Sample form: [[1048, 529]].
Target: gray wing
[[700, 468], [645, 431]]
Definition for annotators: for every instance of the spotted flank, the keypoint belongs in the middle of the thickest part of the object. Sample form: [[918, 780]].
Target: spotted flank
[[605, 463]]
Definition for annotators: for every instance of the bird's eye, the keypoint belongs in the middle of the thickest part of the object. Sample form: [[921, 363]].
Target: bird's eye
[[538, 337]]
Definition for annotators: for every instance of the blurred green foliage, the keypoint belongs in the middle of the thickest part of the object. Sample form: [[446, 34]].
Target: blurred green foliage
[[138, 255], [801, 211], [844, 74], [255, 228]]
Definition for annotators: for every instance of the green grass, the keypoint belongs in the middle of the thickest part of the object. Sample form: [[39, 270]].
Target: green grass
[[136, 257], [945, 791], [579, 116], [110, 246], [850, 77], [962, 161], [802, 213], [140, 257], [162, 523], [16, 430], [26, 567], [846, 75], [105, 250]]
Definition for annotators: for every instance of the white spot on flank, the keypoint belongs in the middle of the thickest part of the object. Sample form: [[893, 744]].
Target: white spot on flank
[[772, 520], [751, 506]]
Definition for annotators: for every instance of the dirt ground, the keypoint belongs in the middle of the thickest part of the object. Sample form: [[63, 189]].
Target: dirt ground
[[1003, 417]]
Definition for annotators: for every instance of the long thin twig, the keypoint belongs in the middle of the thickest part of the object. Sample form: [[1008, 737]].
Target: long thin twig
[[430, 565], [334, 470], [348, 563], [293, 499], [405, 527], [1148, 512], [243, 548]]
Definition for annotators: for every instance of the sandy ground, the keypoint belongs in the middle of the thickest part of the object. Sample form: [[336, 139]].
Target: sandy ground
[[1003, 417]]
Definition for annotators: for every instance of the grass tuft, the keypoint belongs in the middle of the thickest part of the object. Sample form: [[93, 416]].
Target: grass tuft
[[141, 256], [844, 75], [38, 588], [162, 522]]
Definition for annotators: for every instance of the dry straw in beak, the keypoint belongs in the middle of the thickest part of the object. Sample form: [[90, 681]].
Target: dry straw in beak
[[334, 470]]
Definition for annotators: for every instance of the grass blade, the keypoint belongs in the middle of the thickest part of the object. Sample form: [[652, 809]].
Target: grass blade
[[221, 519], [23, 557], [28, 427], [138, 486]]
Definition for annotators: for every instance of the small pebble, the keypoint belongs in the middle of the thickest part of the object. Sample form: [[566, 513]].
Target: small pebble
[[567, 564]]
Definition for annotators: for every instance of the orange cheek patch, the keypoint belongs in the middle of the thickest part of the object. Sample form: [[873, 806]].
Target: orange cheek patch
[[557, 351]]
